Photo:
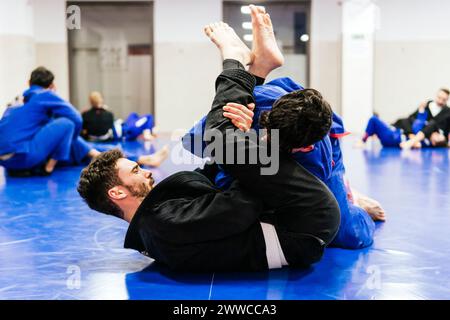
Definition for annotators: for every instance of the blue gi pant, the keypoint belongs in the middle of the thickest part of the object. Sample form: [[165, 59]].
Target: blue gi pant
[[55, 140], [135, 125], [357, 227], [389, 137]]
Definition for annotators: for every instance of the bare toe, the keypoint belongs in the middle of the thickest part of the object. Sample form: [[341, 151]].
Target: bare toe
[[267, 20], [208, 31]]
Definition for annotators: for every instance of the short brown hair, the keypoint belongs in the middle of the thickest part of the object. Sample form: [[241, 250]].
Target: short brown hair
[[97, 178], [42, 77], [303, 117], [447, 91]]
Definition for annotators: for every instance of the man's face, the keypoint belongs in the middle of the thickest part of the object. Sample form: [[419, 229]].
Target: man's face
[[138, 181], [441, 99], [437, 138]]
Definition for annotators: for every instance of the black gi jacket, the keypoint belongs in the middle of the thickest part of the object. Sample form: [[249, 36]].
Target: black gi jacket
[[440, 122]]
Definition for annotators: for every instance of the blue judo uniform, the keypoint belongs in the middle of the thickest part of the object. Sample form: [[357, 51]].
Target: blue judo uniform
[[323, 159], [45, 126], [391, 136], [135, 125]]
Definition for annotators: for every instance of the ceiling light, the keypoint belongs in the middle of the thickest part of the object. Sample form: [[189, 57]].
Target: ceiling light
[[248, 37], [304, 38], [245, 10], [247, 25]]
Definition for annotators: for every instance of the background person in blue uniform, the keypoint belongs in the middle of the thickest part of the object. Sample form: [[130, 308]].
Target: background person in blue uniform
[[428, 126], [138, 127], [42, 131], [432, 110], [424, 134], [45, 130]]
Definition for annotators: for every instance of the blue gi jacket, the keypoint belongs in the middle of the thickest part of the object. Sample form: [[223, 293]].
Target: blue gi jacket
[[20, 123], [323, 159]]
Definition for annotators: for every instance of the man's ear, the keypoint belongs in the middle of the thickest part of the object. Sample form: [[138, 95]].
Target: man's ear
[[52, 87], [116, 193]]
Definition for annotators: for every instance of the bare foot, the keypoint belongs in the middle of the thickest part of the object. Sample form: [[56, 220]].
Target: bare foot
[[155, 131], [147, 135], [50, 165], [265, 48], [228, 42], [359, 144], [371, 206], [155, 159], [407, 145]]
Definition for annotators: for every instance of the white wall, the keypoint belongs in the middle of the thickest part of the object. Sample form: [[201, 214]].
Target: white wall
[[412, 49], [17, 51], [186, 63], [50, 37], [412, 54], [32, 33], [359, 19], [325, 55]]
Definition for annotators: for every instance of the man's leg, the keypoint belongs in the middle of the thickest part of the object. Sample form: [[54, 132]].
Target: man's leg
[[307, 215], [387, 136], [357, 228], [405, 125], [371, 206], [267, 56], [50, 145], [81, 150]]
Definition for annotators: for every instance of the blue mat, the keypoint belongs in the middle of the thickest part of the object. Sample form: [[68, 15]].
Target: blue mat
[[53, 247]]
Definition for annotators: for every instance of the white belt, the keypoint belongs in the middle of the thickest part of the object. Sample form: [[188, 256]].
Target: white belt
[[274, 253], [104, 137]]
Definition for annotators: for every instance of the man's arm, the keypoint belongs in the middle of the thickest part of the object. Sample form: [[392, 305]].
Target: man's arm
[[60, 108], [233, 85], [292, 190], [421, 108], [189, 221]]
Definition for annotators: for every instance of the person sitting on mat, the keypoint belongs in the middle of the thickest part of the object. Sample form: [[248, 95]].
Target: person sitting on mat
[[98, 121], [431, 117], [436, 110], [99, 124], [423, 136], [186, 222], [45, 130], [323, 158]]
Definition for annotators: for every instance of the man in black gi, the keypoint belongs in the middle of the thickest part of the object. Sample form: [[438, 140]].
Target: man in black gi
[[262, 221]]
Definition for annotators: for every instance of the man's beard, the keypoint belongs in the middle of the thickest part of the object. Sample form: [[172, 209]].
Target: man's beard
[[140, 190]]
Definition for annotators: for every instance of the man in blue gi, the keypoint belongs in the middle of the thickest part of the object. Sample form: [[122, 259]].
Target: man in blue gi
[[323, 158], [45, 130]]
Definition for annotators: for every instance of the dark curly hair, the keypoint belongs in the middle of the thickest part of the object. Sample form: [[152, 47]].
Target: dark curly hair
[[97, 178], [302, 117], [41, 76]]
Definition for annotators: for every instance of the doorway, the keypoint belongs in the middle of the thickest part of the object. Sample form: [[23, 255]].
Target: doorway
[[113, 53]]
